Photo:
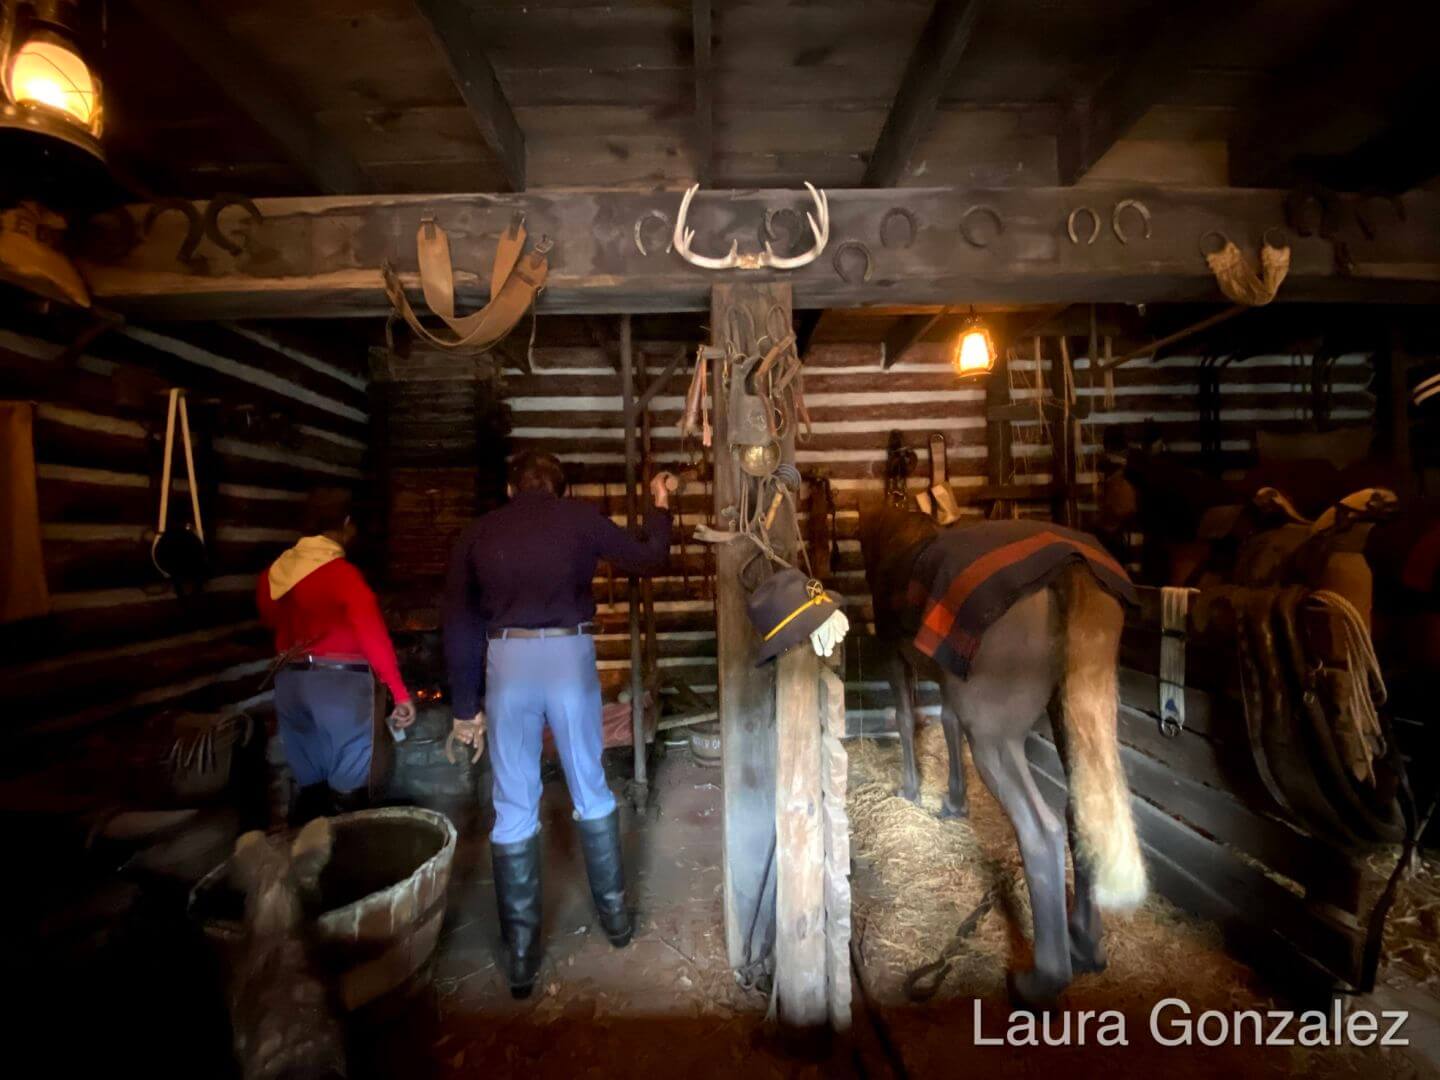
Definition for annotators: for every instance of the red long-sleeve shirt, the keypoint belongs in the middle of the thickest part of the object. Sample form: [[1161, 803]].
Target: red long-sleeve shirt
[[332, 612]]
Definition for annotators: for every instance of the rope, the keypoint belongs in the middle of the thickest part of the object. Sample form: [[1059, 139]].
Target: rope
[[1367, 684]]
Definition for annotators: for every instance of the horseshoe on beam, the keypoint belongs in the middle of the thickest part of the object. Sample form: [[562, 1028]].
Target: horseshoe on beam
[[1128, 204], [969, 235], [773, 213], [640, 227], [1074, 233], [908, 216], [838, 261], [217, 206], [194, 233]]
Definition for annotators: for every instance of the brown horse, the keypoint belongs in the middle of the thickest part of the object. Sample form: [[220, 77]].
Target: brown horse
[[1055, 649]]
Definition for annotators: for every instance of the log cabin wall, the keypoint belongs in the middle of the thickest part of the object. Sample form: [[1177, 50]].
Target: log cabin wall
[[569, 403], [270, 419]]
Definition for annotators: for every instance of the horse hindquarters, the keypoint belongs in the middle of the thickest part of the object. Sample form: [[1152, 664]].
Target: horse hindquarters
[[1012, 677], [1091, 620]]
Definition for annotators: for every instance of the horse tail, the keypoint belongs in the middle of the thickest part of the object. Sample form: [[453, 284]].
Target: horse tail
[[1099, 797]]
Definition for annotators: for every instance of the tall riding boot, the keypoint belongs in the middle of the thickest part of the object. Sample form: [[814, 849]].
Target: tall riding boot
[[517, 894], [600, 840], [347, 802]]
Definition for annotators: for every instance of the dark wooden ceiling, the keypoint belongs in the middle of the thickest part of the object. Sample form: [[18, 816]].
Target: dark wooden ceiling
[[206, 95]]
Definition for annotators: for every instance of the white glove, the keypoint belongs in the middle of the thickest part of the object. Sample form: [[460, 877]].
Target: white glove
[[829, 634]]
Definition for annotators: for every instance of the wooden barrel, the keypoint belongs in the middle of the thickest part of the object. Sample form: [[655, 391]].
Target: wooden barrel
[[383, 894]]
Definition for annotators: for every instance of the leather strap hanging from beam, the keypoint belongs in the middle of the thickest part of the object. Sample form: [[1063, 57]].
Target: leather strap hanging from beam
[[515, 281]]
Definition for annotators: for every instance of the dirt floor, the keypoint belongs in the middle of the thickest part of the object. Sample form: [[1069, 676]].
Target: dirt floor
[[669, 1006], [116, 961], [917, 878]]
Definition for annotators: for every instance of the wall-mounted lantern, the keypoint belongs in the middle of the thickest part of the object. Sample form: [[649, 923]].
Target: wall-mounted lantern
[[51, 110], [974, 348]]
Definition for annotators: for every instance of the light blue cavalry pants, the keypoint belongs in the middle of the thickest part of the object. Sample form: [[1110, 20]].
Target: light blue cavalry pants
[[529, 682]]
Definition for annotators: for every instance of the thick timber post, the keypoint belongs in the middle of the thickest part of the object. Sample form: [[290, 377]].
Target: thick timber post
[[769, 724], [640, 791]]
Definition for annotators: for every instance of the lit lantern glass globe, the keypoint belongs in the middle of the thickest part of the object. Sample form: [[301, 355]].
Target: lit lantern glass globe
[[47, 72], [974, 351], [51, 115]]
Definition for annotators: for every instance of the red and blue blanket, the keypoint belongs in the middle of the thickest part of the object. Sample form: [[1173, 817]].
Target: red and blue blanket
[[969, 575]]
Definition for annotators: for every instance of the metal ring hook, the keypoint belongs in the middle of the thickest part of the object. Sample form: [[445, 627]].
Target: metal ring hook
[[1265, 237], [1224, 242]]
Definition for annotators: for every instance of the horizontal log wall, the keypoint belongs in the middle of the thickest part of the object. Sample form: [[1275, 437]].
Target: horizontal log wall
[[569, 403], [269, 421]]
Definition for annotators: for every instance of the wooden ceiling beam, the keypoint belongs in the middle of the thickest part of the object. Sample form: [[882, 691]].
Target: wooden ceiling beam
[[702, 32], [1097, 121], [1353, 115], [321, 257], [452, 26], [932, 64], [260, 92]]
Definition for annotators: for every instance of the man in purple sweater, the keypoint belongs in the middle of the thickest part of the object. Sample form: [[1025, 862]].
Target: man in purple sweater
[[518, 611]]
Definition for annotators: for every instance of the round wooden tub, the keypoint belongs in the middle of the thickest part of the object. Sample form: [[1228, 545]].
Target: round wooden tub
[[383, 897]]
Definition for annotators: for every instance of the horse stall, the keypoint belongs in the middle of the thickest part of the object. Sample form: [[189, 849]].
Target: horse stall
[[1040, 676]]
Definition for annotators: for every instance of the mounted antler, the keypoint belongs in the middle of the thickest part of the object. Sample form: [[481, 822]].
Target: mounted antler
[[760, 260]]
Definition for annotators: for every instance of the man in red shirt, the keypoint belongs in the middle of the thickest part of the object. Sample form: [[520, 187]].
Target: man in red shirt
[[332, 643]]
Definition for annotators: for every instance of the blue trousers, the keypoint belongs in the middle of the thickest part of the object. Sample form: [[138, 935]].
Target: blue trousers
[[530, 682], [326, 720]]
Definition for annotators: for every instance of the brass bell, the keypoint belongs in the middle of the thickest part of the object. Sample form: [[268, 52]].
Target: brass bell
[[759, 459]]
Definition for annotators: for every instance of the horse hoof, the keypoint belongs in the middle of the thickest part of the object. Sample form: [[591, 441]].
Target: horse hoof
[[1088, 963], [908, 794], [949, 810], [1034, 991]]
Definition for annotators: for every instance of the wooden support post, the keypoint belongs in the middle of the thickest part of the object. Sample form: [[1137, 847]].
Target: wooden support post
[[746, 693], [998, 453], [647, 583], [1062, 443], [632, 516], [800, 961]]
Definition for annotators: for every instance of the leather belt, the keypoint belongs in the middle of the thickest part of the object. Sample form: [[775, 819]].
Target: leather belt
[[320, 663], [545, 632]]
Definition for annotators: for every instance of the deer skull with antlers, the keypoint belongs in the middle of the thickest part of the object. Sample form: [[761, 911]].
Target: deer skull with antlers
[[759, 260]]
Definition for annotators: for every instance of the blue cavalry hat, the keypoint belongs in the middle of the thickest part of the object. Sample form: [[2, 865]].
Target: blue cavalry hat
[[786, 609]]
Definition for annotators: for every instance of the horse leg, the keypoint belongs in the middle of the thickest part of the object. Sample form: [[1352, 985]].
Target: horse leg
[[902, 685], [957, 803], [1002, 765], [1087, 933]]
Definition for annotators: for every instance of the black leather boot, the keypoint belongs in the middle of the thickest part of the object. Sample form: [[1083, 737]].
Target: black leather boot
[[347, 802], [308, 803], [517, 894], [600, 840]]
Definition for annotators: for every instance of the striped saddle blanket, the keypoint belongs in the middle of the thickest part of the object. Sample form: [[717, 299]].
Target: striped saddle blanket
[[969, 575]]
